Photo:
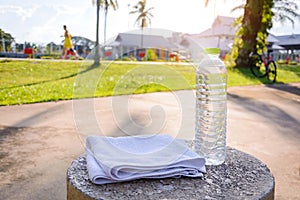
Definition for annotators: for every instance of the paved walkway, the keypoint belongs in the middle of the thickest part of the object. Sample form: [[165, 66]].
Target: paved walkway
[[39, 141]]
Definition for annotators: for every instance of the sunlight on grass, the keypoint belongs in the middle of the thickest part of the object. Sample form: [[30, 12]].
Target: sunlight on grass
[[288, 73], [41, 81]]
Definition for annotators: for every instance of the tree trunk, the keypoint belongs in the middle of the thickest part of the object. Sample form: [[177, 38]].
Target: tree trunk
[[142, 38], [105, 20], [97, 50], [142, 27], [251, 25]]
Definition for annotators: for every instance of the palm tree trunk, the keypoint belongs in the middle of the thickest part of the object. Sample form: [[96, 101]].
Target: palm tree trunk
[[142, 38], [97, 51], [105, 20], [252, 25], [142, 27]]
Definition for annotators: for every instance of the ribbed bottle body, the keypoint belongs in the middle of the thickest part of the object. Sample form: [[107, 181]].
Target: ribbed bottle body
[[211, 111]]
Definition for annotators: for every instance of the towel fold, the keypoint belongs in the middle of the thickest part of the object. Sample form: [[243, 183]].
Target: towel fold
[[128, 158]]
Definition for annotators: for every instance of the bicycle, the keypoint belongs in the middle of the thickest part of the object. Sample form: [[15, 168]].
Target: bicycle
[[263, 66]]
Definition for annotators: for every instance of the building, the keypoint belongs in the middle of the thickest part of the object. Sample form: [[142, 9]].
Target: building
[[221, 35], [291, 46], [130, 44]]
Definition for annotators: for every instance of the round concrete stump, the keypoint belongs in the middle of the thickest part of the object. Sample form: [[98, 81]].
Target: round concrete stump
[[241, 177]]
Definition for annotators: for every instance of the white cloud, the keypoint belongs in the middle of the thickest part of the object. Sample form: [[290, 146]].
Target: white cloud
[[42, 21], [22, 12]]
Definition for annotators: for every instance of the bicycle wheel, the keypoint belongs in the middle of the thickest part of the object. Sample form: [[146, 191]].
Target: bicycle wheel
[[257, 66], [272, 71]]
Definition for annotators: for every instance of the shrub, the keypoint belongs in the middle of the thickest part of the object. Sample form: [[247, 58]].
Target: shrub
[[293, 63], [125, 58], [281, 62], [151, 56]]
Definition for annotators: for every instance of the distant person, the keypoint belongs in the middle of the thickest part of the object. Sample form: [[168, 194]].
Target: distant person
[[68, 45]]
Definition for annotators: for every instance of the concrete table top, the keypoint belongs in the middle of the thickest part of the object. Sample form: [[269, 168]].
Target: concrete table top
[[242, 176]]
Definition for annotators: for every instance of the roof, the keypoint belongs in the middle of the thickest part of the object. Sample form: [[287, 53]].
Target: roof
[[289, 41], [223, 20], [211, 42], [152, 31], [217, 31], [221, 26], [272, 38], [135, 40], [276, 47]]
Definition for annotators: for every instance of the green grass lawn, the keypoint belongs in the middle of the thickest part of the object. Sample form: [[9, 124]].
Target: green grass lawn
[[32, 81]]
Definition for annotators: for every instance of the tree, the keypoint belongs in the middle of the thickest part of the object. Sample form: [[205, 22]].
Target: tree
[[97, 46], [251, 24], [256, 23], [82, 43], [107, 4], [5, 39], [52, 48], [144, 16]]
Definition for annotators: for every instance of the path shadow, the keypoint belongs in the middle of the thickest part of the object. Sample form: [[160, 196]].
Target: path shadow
[[246, 72], [7, 131], [93, 66], [286, 88], [274, 116]]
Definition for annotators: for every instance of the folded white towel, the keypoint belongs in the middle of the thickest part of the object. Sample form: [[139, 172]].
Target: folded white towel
[[119, 159]]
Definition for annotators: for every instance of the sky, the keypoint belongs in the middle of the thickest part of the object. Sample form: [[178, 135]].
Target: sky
[[41, 21]]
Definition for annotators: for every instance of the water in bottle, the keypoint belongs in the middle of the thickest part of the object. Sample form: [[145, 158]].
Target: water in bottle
[[211, 110]]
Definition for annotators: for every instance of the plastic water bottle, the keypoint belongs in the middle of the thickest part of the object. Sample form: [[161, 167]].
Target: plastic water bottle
[[211, 110]]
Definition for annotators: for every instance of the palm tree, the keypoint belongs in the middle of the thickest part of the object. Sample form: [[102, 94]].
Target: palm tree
[[144, 15], [251, 25], [107, 4], [5, 40], [256, 22], [97, 47]]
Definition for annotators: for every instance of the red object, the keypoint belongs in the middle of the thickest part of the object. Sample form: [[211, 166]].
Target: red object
[[172, 55], [107, 53], [70, 52], [28, 51], [142, 54], [175, 56]]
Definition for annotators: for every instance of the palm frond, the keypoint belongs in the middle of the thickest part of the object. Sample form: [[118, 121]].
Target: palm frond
[[143, 13], [285, 10], [239, 7]]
